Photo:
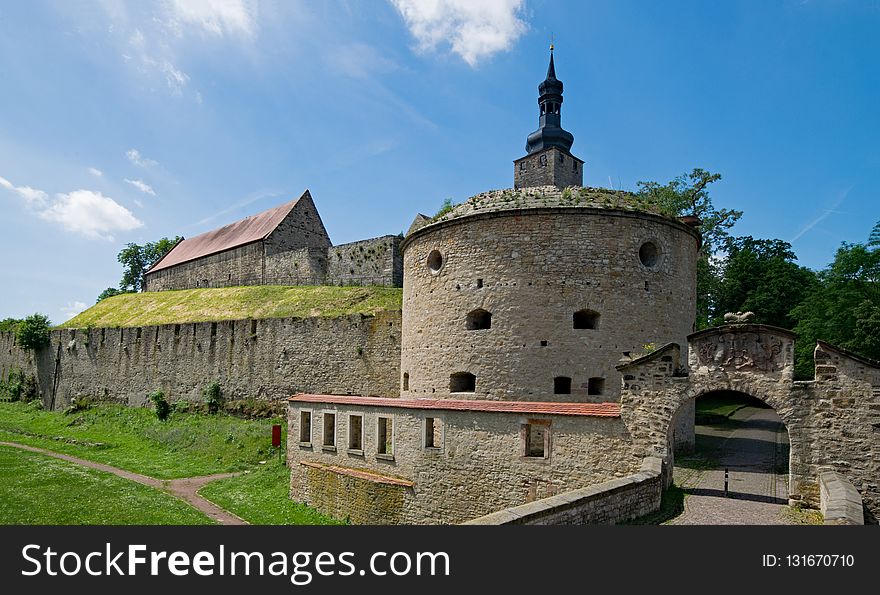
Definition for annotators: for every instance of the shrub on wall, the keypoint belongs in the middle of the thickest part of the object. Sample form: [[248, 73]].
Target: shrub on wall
[[212, 396], [33, 332], [161, 404], [18, 386]]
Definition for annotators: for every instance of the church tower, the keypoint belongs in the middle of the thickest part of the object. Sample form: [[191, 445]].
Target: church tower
[[549, 161]]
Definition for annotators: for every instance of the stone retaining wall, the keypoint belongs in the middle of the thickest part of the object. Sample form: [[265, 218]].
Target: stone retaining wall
[[610, 502], [840, 503]]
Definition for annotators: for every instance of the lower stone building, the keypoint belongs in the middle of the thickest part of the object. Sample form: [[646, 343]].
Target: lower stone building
[[414, 461]]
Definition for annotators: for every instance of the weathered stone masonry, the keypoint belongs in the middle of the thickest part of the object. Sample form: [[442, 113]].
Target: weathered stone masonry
[[263, 359], [832, 421]]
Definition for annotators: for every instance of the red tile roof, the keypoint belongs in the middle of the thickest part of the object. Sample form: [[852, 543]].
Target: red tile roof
[[536, 407], [251, 229]]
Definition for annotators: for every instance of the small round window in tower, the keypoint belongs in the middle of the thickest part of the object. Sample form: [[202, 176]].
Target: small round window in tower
[[435, 261], [649, 255]]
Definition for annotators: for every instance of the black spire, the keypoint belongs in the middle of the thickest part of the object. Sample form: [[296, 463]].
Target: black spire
[[550, 132]]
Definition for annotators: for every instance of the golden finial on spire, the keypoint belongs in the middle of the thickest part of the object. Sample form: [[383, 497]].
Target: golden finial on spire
[[551, 42]]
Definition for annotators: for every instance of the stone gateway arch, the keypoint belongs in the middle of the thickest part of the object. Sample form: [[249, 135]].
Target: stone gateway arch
[[833, 421]]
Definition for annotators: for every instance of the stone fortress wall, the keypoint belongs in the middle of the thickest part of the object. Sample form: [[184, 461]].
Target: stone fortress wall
[[376, 261], [500, 291], [262, 359]]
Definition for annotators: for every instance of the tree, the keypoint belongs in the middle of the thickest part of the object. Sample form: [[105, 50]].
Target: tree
[[33, 332], [136, 259], [844, 308], [688, 195], [109, 292], [9, 324], [760, 276]]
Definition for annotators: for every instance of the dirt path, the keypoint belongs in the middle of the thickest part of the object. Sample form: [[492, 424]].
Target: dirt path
[[751, 448], [185, 488]]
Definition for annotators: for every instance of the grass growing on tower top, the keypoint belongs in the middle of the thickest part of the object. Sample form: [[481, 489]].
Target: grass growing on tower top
[[235, 303]]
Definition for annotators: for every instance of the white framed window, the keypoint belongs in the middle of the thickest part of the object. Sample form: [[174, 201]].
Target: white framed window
[[305, 427], [356, 433], [328, 433], [433, 433], [385, 437]]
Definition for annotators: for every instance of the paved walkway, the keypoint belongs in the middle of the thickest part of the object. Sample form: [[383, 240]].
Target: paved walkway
[[754, 448], [186, 488]]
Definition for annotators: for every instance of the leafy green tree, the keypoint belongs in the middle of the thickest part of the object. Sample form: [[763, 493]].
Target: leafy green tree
[[9, 324], [33, 332], [760, 276], [109, 292], [136, 260], [844, 309], [688, 195]]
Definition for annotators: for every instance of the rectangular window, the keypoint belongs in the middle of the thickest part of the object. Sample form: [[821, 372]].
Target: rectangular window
[[433, 432], [356, 433], [305, 427], [596, 386], [329, 431], [562, 385], [385, 437], [536, 439]]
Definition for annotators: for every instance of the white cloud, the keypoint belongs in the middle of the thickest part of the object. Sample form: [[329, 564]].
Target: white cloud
[[96, 172], [138, 203], [135, 157], [34, 197], [90, 214], [142, 186], [175, 78], [217, 17], [72, 309], [475, 29]]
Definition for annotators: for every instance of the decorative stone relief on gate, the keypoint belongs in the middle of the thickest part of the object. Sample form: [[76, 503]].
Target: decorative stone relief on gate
[[741, 351]]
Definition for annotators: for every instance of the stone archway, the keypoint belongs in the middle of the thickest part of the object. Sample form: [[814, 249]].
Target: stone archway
[[751, 442], [755, 360]]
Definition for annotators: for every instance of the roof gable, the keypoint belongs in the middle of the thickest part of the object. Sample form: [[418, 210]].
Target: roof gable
[[248, 230]]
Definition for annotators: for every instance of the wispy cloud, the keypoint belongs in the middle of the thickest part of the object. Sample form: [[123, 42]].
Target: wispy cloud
[[135, 157], [841, 196], [475, 30], [33, 197], [215, 17], [72, 309], [142, 186], [84, 212], [359, 60], [96, 172], [249, 199]]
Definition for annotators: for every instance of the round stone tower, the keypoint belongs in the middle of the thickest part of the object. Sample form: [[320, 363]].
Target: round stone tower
[[535, 293]]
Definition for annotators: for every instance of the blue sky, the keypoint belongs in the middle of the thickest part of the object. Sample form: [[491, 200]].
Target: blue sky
[[129, 121]]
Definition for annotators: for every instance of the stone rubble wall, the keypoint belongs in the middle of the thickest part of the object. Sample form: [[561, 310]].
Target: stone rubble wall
[[607, 503], [376, 261], [261, 359]]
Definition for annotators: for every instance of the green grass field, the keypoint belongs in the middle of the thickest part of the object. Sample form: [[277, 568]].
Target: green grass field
[[39, 490], [185, 445], [261, 498], [235, 303]]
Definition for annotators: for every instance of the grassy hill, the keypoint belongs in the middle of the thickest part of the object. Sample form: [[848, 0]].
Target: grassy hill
[[235, 303]]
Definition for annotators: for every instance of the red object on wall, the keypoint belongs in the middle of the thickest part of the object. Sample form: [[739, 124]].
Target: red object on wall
[[276, 436]]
